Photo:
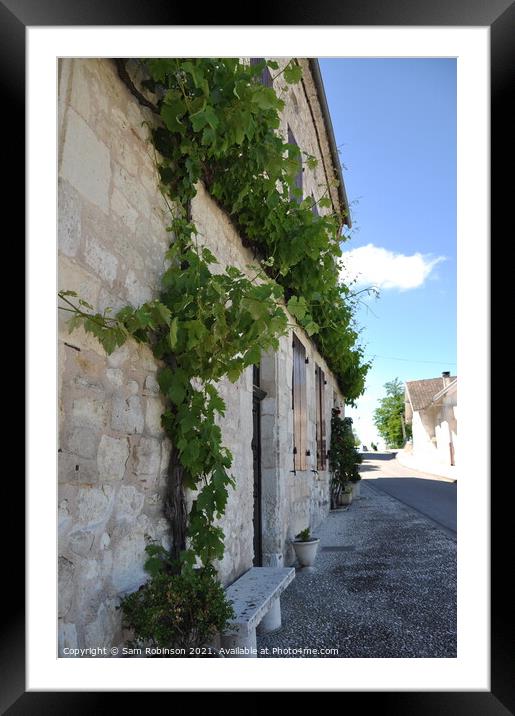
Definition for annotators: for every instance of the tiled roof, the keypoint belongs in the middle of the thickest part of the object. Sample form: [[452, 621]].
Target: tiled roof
[[421, 392]]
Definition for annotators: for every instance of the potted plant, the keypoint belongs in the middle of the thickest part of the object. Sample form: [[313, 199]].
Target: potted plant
[[346, 494], [176, 612], [306, 547], [344, 460]]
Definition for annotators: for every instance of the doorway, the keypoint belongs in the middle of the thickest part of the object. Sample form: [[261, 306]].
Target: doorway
[[257, 396]]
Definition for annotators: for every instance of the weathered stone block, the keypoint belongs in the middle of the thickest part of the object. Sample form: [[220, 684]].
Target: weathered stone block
[[83, 442], [64, 519], [94, 504], [127, 415], [118, 357], [131, 188], [112, 457], [81, 542], [80, 90], [86, 162], [132, 387], [151, 385], [66, 571], [89, 411], [129, 502], [153, 414], [128, 559], [76, 470], [69, 225], [147, 457], [137, 292], [115, 377], [67, 638], [73, 277], [123, 209], [101, 631], [102, 261], [88, 589]]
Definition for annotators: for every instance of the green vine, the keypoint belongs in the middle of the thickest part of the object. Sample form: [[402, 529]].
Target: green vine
[[219, 125]]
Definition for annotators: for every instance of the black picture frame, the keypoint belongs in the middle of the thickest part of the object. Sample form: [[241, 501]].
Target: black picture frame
[[499, 15]]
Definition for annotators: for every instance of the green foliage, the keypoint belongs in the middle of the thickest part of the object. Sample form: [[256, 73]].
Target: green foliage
[[223, 130], [177, 611], [389, 416], [218, 124], [304, 535], [344, 459]]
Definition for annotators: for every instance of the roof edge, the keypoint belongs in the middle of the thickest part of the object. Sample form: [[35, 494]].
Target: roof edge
[[444, 390], [314, 66]]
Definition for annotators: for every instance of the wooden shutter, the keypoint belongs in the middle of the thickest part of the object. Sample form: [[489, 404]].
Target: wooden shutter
[[299, 405], [266, 77]]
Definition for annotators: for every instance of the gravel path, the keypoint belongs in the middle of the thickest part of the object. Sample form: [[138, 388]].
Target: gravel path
[[384, 585]]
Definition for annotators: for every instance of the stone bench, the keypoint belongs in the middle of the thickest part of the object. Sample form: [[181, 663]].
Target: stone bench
[[255, 598]]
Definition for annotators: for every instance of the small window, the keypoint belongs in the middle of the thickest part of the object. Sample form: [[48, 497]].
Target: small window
[[320, 417], [298, 176], [299, 406], [265, 78]]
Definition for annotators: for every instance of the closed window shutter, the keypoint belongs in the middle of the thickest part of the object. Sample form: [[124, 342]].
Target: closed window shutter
[[266, 77], [299, 405]]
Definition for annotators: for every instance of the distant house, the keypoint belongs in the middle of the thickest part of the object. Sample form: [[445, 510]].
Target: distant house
[[431, 408]]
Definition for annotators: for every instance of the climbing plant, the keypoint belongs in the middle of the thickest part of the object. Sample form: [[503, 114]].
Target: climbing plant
[[216, 123]]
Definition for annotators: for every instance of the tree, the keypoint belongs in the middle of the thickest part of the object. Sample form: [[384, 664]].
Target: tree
[[389, 416]]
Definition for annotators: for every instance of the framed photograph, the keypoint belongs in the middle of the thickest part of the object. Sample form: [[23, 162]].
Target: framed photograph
[[183, 429]]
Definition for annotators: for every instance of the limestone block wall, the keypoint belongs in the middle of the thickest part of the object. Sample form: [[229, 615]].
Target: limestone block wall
[[112, 452]]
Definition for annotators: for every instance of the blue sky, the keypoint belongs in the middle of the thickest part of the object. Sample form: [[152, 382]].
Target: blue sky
[[395, 125]]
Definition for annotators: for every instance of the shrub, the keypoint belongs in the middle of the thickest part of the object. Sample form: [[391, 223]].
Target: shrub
[[344, 459], [179, 611]]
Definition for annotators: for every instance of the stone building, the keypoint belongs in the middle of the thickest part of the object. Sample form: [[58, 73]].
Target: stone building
[[431, 407], [112, 451]]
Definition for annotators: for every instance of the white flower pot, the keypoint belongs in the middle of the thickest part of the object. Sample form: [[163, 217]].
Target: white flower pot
[[345, 498], [356, 490], [306, 551]]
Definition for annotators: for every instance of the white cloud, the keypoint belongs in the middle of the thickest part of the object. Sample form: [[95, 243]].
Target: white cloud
[[373, 266]]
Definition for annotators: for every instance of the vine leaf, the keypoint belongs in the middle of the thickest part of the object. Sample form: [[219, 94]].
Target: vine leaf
[[173, 333]]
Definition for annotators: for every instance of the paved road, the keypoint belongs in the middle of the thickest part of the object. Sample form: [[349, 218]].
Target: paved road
[[429, 495], [383, 586]]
